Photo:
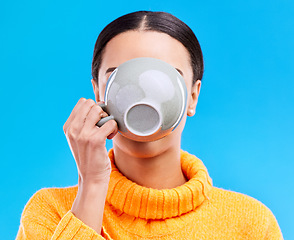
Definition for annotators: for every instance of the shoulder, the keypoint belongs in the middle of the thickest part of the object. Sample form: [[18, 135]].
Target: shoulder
[[244, 210], [235, 201], [50, 201], [233, 198]]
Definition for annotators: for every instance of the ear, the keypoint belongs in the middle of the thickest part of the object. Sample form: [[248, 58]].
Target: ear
[[96, 90], [191, 108]]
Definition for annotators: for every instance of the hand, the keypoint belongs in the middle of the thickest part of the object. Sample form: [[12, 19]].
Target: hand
[[87, 141]]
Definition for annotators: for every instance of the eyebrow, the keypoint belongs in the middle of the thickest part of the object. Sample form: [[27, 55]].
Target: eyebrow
[[180, 72], [111, 69]]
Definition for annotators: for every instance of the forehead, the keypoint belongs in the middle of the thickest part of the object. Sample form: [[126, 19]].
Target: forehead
[[134, 44]]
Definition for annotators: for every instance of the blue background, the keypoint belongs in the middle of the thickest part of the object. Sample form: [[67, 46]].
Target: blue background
[[243, 128]]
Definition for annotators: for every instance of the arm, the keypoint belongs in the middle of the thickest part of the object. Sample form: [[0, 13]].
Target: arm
[[87, 143], [43, 219]]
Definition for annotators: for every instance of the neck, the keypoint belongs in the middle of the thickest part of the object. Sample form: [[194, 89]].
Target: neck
[[161, 170]]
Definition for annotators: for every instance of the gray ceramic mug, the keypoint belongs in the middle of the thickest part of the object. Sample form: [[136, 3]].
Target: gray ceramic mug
[[147, 97]]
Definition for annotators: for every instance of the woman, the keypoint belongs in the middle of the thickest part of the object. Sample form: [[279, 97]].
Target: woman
[[141, 190]]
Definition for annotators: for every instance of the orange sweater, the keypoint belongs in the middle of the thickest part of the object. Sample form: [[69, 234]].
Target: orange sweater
[[195, 210]]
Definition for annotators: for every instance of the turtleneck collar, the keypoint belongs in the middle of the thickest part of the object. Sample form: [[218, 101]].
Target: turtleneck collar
[[148, 203]]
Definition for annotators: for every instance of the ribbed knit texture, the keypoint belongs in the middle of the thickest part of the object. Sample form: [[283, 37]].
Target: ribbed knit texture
[[195, 210], [150, 203]]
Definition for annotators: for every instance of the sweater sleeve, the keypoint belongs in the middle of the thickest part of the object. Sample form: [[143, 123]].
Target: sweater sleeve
[[40, 220]]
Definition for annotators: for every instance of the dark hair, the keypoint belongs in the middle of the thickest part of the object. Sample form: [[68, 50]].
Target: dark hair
[[151, 21]]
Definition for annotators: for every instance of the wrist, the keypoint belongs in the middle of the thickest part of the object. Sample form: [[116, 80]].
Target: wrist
[[95, 185], [94, 181]]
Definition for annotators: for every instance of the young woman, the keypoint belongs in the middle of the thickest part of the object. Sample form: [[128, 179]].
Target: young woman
[[141, 190]]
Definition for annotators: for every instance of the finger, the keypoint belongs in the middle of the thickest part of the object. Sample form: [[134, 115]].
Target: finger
[[73, 113], [112, 135], [100, 102], [93, 116], [75, 124], [78, 120], [109, 129]]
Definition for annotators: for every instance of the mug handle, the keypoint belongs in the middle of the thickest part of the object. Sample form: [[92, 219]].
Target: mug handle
[[106, 119]]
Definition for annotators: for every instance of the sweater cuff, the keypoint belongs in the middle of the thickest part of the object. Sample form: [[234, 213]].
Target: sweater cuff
[[70, 227]]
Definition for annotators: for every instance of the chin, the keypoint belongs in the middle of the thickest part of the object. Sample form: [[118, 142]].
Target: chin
[[142, 149]]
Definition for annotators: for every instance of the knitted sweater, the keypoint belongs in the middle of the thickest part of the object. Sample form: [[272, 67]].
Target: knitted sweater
[[195, 210]]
